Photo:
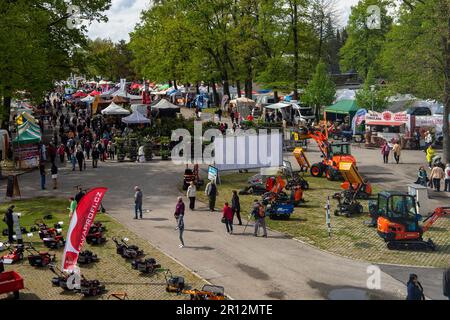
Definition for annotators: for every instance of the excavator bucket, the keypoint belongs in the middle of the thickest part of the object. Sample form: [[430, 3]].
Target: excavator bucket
[[301, 158]]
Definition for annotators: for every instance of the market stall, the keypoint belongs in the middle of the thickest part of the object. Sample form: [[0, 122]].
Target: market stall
[[115, 110], [165, 109], [136, 118], [342, 109], [387, 126], [26, 146]]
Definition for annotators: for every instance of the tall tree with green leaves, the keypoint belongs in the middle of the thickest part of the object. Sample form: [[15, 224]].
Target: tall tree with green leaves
[[39, 46], [364, 41], [416, 56], [372, 96], [321, 90]]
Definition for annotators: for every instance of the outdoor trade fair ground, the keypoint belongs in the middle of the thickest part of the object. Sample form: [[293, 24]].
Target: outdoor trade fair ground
[[325, 240]]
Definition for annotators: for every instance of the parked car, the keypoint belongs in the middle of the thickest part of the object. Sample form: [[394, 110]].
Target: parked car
[[303, 114], [419, 111]]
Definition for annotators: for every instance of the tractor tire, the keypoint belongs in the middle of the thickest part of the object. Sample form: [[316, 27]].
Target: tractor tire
[[316, 171]]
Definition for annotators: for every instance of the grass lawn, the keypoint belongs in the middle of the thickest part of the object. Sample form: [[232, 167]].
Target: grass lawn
[[350, 237], [112, 269]]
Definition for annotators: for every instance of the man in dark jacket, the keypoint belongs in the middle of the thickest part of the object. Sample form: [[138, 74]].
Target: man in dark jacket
[[446, 282], [415, 289], [236, 206], [10, 223]]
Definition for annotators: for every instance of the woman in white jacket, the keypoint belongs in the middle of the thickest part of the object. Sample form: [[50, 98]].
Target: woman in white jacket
[[191, 194], [447, 178]]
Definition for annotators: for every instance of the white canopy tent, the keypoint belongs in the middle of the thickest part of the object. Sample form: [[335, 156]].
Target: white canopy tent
[[163, 104], [114, 109], [136, 118], [88, 99], [279, 106]]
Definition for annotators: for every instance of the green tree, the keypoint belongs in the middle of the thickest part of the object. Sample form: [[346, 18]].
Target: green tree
[[38, 46], [364, 44], [372, 96], [321, 90], [416, 56]]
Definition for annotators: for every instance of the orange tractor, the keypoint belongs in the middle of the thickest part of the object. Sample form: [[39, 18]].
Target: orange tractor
[[398, 221], [332, 153]]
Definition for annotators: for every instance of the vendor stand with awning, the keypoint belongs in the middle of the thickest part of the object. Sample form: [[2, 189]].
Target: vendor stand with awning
[[164, 108], [387, 126], [136, 118], [26, 146], [342, 109]]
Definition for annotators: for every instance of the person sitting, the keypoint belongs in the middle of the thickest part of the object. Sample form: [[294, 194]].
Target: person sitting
[[422, 177]]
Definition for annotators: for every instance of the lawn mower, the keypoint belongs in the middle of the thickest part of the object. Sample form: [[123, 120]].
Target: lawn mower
[[61, 278], [278, 205], [87, 257], [6, 233], [127, 251], [174, 284], [208, 292], [192, 176], [398, 221], [91, 288], [95, 237], [97, 227], [52, 237], [257, 186], [15, 254], [39, 259], [148, 266]]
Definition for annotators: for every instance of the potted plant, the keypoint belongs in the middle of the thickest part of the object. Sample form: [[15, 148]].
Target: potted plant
[[148, 149], [165, 148], [120, 147]]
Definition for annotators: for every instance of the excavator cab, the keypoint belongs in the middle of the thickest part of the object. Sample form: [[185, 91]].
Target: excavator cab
[[340, 149], [399, 208]]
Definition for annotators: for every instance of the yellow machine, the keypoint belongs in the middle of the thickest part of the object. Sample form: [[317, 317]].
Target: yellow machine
[[353, 181], [302, 160]]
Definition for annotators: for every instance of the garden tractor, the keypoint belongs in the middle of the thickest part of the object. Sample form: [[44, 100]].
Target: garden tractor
[[208, 292], [398, 221]]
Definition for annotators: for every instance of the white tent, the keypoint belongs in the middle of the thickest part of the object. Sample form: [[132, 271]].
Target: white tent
[[124, 94], [115, 109], [279, 106], [163, 104], [88, 99], [136, 118], [142, 108]]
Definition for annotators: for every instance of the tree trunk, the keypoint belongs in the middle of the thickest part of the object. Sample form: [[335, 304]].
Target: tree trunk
[[275, 95], [226, 88], [7, 110], [445, 127], [170, 83], [238, 88], [296, 50], [248, 88], [175, 85], [215, 94], [197, 87]]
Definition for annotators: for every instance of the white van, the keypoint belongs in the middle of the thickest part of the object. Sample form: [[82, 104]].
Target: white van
[[302, 114]]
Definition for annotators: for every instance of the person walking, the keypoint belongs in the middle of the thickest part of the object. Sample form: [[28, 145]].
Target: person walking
[[447, 178], [236, 206], [428, 139], [8, 219], [414, 289], [191, 194], [437, 174], [73, 159], [180, 227], [227, 218], [80, 158], [95, 157], [446, 282], [61, 153], [211, 192], [260, 217], [137, 202], [397, 150], [385, 151], [54, 171], [430, 155], [111, 150], [43, 174], [179, 210]]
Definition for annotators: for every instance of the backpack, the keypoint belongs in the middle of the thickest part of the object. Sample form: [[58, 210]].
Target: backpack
[[262, 212]]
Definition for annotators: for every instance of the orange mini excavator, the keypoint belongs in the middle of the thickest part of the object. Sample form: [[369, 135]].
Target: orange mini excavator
[[398, 221]]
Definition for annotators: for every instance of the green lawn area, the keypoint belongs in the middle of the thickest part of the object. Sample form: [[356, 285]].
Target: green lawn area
[[350, 237], [112, 269]]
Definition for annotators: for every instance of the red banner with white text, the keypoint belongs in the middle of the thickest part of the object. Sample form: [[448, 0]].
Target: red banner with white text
[[81, 222]]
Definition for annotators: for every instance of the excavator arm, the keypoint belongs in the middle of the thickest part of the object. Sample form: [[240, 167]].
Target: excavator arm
[[438, 213]]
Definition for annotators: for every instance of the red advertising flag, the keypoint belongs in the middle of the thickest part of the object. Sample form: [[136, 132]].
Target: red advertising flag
[[81, 222]]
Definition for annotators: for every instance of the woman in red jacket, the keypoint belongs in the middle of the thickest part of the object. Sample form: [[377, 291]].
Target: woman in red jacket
[[228, 218]]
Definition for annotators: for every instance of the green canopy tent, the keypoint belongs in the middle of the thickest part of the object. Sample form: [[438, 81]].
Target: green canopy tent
[[28, 137], [28, 126], [341, 109]]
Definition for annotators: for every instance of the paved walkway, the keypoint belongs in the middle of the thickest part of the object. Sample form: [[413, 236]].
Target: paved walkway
[[248, 267]]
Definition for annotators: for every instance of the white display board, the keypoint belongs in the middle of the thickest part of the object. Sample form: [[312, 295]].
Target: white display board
[[249, 151]]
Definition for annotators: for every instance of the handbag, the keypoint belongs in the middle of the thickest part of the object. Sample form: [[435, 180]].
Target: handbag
[[224, 220]]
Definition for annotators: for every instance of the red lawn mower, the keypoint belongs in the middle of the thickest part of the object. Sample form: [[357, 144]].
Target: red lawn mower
[[15, 254], [39, 258]]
